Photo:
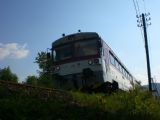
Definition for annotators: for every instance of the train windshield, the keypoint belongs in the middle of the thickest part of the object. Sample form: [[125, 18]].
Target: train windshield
[[63, 52], [85, 48], [76, 49]]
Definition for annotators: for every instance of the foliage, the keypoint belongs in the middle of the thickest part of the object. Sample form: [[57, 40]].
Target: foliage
[[45, 73], [7, 75], [46, 80], [34, 109], [32, 80], [134, 105], [43, 63], [123, 105]]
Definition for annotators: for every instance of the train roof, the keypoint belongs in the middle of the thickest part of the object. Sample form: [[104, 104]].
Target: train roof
[[75, 37]]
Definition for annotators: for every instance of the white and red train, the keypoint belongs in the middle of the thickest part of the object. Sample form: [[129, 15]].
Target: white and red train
[[84, 59]]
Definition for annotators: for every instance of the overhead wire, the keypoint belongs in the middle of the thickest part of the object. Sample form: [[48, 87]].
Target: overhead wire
[[141, 29], [144, 5], [138, 15], [135, 7], [138, 7]]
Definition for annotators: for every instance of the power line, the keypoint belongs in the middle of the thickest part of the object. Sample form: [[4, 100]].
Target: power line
[[140, 21], [144, 5], [135, 7], [138, 7]]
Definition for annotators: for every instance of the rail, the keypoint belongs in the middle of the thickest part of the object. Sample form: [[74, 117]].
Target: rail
[[41, 92]]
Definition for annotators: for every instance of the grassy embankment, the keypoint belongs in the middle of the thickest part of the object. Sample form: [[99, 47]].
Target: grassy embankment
[[79, 106]]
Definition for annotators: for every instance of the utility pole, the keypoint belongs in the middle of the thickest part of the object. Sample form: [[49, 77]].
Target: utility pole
[[143, 24]]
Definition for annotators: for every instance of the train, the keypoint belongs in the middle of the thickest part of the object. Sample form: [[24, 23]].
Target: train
[[84, 59]]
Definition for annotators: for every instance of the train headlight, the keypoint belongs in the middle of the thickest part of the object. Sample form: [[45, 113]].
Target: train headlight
[[96, 61], [57, 68], [90, 62]]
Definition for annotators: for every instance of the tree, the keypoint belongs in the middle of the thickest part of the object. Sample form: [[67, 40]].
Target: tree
[[45, 80], [45, 66], [44, 63], [41, 60], [7, 75], [32, 80]]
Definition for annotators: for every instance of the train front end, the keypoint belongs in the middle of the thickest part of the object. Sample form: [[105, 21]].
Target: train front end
[[77, 60]]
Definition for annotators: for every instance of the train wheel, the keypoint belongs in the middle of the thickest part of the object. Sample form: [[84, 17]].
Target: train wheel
[[115, 86]]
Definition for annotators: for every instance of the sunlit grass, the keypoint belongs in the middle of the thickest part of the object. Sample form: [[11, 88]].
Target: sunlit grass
[[120, 105]]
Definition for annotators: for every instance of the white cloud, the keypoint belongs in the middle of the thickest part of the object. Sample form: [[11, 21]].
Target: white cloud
[[13, 50]]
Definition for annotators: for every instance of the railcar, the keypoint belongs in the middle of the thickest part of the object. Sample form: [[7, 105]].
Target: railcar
[[84, 59]]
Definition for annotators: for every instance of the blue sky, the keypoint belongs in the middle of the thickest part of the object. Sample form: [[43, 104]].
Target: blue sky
[[30, 26]]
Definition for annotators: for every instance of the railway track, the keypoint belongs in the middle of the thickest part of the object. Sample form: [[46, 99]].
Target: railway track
[[29, 90]]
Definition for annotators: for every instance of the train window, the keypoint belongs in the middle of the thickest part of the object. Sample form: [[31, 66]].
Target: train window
[[130, 77], [121, 69], [103, 52], [106, 55], [63, 52], [85, 48], [112, 60], [126, 73], [117, 64]]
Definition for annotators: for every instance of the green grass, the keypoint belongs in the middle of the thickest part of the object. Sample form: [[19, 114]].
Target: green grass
[[124, 105], [135, 105]]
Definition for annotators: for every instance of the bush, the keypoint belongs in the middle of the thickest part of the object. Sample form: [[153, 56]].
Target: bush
[[132, 105], [124, 105]]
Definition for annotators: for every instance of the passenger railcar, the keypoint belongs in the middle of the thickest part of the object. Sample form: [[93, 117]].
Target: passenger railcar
[[84, 59]]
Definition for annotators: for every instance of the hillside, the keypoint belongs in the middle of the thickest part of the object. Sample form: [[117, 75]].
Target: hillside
[[78, 106]]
